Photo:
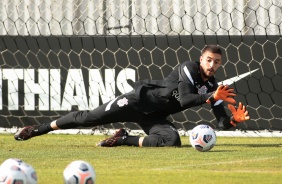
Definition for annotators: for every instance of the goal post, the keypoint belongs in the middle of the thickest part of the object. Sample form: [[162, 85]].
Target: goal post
[[58, 57]]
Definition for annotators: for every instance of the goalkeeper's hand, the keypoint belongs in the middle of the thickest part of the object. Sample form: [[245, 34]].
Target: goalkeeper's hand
[[223, 93], [238, 115]]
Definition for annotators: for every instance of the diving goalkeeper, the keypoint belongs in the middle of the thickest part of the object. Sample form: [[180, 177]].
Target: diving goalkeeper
[[189, 84]]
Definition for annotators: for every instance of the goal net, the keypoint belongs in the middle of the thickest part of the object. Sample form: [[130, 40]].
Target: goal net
[[59, 56]]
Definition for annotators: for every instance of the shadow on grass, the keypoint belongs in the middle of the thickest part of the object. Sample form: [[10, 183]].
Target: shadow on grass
[[220, 151], [185, 146]]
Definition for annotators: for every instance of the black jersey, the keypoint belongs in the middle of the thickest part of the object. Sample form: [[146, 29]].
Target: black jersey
[[182, 89]]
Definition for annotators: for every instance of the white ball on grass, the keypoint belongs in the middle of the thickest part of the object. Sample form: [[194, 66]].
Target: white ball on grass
[[79, 172], [12, 174], [29, 171], [202, 138]]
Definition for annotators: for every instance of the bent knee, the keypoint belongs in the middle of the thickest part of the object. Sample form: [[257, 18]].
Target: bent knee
[[162, 140]]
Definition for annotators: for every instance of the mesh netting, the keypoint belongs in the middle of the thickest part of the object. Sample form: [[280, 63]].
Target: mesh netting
[[59, 56], [140, 17]]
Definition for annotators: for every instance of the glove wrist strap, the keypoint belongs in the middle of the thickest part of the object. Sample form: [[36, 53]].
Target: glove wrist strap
[[233, 122], [211, 97]]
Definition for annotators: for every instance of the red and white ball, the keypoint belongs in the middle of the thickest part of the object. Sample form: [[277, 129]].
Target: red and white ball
[[12, 174], [202, 138], [29, 171], [79, 172]]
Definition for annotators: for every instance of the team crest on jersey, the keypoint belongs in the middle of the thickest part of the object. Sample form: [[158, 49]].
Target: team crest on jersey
[[202, 90], [122, 102]]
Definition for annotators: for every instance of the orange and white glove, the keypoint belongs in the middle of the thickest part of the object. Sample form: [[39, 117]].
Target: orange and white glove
[[223, 93], [238, 115]]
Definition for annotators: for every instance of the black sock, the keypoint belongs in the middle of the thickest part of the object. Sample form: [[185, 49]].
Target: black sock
[[42, 129], [130, 141]]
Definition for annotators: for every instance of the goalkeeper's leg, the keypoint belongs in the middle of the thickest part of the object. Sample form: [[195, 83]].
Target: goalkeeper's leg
[[121, 109], [28, 132], [162, 133], [159, 135], [121, 137], [71, 120]]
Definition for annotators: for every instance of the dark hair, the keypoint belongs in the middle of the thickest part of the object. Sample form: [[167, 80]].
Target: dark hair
[[212, 48]]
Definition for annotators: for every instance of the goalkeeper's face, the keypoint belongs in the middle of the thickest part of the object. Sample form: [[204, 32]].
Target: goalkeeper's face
[[209, 63]]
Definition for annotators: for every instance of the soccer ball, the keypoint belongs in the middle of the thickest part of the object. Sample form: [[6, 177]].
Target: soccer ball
[[12, 174], [79, 172], [29, 171], [202, 138]]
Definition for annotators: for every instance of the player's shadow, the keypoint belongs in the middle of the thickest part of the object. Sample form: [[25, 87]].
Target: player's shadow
[[219, 151], [186, 146]]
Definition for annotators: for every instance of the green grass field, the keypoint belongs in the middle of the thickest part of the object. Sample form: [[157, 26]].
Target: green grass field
[[232, 160]]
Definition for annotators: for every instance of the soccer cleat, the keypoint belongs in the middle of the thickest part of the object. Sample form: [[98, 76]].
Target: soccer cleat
[[25, 133], [113, 140]]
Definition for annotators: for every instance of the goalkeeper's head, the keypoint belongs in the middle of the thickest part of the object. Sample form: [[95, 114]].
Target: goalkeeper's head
[[210, 61]]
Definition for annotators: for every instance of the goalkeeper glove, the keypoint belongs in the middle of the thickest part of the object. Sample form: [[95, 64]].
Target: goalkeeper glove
[[224, 93], [238, 115]]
